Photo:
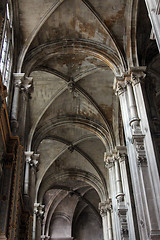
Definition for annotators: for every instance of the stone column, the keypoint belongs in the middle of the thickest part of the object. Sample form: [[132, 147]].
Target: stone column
[[134, 119], [110, 161], [120, 194], [18, 77], [37, 219], [147, 163], [33, 172], [135, 141], [25, 91], [128, 204], [27, 170], [105, 211]]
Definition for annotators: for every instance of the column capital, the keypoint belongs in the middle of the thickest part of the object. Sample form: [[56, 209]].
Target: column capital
[[28, 155], [35, 160], [45, 237], [104, 207], [108, 160], [27, 83], [120, 153], [119, 85], [140, 150], [122, 212], [39, 210], [18, 78], [138, 74]]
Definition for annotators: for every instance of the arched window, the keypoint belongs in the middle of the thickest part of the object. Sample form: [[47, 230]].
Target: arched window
[[6, 50]]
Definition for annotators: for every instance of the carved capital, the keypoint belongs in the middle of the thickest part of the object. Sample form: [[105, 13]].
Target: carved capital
[[35, 160], [104, 207], [39, 210], [27, 84], [122, 212], [45, 237], [18, 78], [138, 74], [108, 160], [140, 150], [119, 85], [28, 157], [121, 153]]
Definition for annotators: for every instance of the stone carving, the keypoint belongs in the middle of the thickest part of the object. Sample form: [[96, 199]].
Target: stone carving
[[45, 237], [122, 212], [104, 207], [27, 85], [32, 158], [108, 160], [71, 85], [39, 210], [138, 74], [140, 150], [28, 157], [119, 85]]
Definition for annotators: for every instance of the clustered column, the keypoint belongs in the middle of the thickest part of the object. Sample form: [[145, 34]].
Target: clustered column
[[138, 158], [112, 163], [105, 211]]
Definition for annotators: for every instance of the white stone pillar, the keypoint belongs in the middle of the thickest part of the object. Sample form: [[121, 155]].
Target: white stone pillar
[[33, 174], [105, 211], [119, 188], [109, 221], [145, 201], [147, 164], [27, 170], [25, 91], [121, 89], [128, 202], [18, 77], [134, 119]]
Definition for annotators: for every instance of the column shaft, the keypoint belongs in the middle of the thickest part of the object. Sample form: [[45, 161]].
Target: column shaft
[[27, 172], [118, 180], [109, 221], [15, 104], [134, 120]]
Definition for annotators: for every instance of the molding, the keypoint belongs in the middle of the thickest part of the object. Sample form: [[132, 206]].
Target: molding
[[101, 132], [92, 48]]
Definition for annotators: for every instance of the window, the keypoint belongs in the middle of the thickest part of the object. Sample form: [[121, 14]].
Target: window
[[7, 47]]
